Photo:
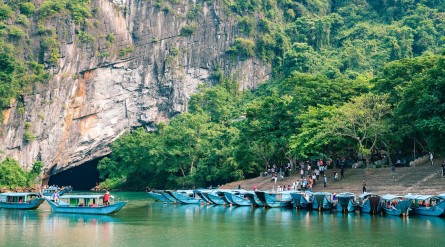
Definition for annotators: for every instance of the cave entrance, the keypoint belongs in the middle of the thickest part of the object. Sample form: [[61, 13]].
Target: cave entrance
[[81, 177]]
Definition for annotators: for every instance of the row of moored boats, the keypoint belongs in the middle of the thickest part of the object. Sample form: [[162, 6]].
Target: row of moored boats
[[345, 202]]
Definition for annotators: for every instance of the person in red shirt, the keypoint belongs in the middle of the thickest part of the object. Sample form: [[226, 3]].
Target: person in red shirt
[[107, 198]]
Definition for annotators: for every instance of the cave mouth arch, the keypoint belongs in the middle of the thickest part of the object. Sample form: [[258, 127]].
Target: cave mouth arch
[[81, 177]]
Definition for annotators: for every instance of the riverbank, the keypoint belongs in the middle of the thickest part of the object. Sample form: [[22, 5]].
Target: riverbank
[[421, 179]]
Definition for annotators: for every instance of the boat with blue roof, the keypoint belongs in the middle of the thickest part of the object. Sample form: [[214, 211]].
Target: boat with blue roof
[[369, 203], [26, 200], [275, 199], [302, 199], [427, 204], [346, 202], [322, 201], [85, 204], [395, 205]]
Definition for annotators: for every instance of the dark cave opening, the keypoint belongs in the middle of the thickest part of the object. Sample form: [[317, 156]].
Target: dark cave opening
[[82, 177]]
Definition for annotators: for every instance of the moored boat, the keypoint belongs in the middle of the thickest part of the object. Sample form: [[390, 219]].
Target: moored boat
[[427, 205], [346, 202], [302, 199], [369, 203], [85, 204], [14, 200], [275, 200], [237, 199], [395, 205], [254, 199], [184, 196], [215, 197], [158, 196], [322, 201], [203, 195]]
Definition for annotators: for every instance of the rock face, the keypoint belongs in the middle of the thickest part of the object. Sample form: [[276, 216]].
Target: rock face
[[138, 71]]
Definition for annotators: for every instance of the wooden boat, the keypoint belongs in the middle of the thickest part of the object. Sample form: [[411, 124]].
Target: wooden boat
[[237, 199], [302, 199], [427, 205], [215, 197], [184, 196], [254, 199], [85, 204], [158, 196], [346, 202], [203, 195], [322, 201], [275, 200], [395, 205], [20, 200], [369, 203]]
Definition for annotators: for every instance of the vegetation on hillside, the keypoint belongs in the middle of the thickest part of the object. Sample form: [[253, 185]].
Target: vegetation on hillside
[[363, 74]]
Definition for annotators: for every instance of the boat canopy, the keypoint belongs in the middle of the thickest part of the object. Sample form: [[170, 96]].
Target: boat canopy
[[390, 197], [82, 196], [345, 194], [19, 194], [366, 194], [441, 195]]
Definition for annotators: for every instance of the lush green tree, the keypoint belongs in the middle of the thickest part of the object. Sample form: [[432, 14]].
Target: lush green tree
[[12, 174]]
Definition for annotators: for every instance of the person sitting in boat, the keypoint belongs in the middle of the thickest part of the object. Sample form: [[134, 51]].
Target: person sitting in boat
[[107, 198]]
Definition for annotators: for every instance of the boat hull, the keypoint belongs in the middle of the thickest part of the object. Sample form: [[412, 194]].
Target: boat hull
[[237, 200], [436, 210], [372, 205], [299, 201], [321, 203], [215, 199], [272, 202], [346, 204], [403, 207], [184, 199], [254, 199], [158, 197], [23, 205], [110, 209]]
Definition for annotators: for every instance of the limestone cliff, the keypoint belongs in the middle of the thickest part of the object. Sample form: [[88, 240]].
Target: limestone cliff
[[139, 70]]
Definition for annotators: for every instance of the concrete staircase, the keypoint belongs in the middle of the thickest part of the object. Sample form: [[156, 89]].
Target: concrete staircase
[[421, 179]]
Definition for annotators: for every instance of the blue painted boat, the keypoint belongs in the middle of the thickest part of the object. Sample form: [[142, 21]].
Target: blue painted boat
[[85, 204], [427, 205], [184, 196], [302, 200], [275, 200], [250, 195], [158, 197], [237, 199], [369, 203], [346, 202], [322, 201], [215, 197], [168, 197], [203, 195], [14, 200], [395, 205]]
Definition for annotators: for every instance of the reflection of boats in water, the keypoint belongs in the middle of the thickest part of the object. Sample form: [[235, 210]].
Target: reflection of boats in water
[[85, 218], [22, 201]]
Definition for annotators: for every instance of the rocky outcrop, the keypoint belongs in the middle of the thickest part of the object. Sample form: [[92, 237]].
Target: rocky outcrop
[[138, 71]]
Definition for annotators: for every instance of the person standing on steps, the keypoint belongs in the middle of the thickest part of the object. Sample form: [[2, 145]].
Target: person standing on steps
[[443, 168], [364, 186], [431, 158]]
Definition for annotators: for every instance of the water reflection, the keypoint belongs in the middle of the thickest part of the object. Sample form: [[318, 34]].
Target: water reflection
[[147, 223]]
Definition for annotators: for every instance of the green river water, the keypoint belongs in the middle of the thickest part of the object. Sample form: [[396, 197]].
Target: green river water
[[143, 222]]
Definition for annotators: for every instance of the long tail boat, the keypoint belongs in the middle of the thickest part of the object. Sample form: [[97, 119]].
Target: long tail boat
[[14, 200]]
